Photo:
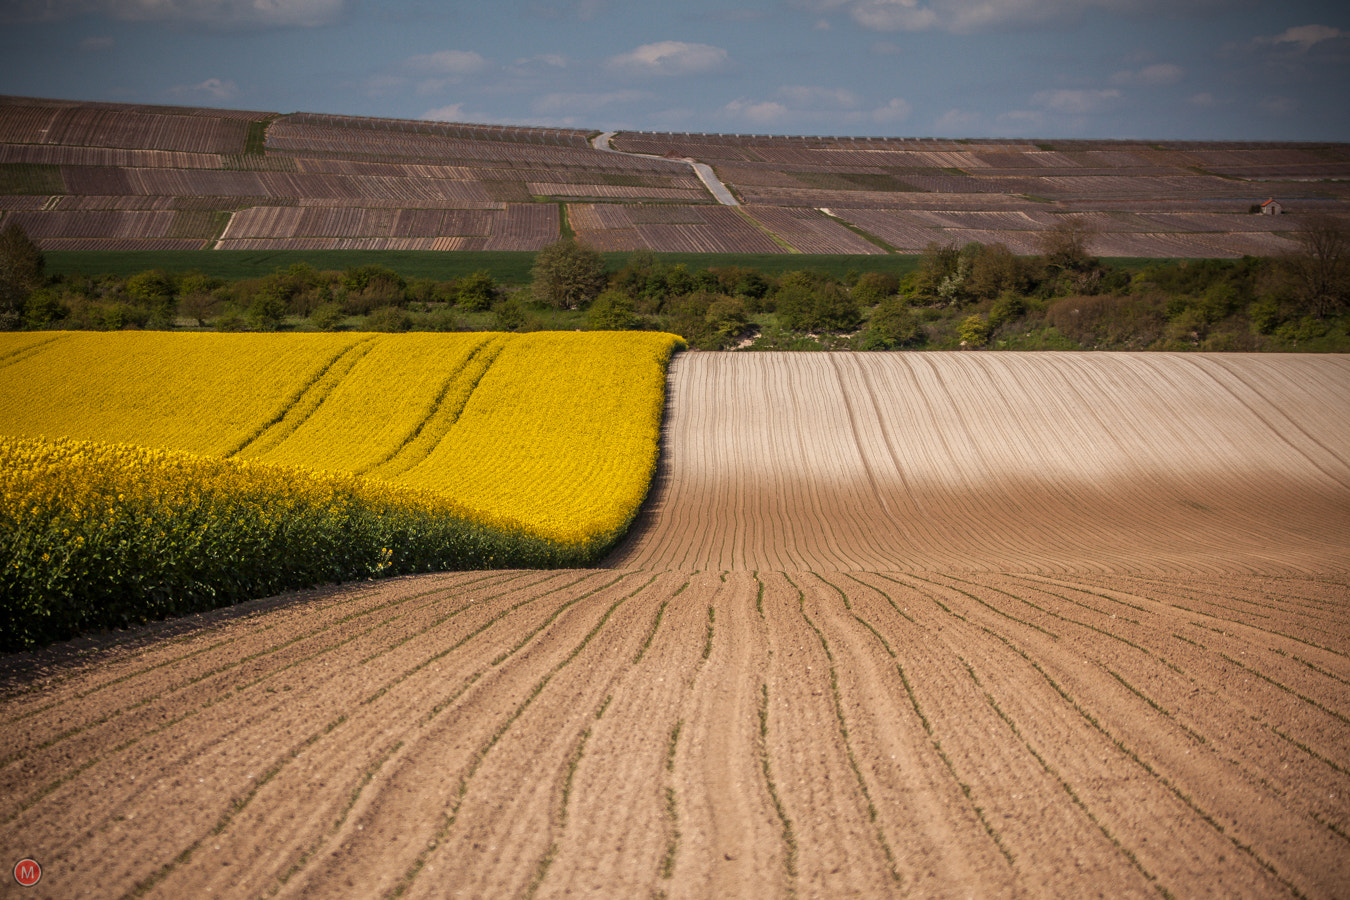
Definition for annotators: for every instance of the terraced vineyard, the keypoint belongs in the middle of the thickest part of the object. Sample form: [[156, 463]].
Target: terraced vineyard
[[926, 625], [113, 176]]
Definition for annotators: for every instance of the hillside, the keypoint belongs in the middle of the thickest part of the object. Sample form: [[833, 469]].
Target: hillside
[[125, 177]]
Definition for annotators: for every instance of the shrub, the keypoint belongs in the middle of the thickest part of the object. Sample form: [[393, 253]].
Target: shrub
[[509, 314], [893, 325], [1007, 308], [328, 317], [568, 275], [389, 319], [726, 317], [973, 331], [824, 306], [268, 309], [873, 287], [1110, 320], [477, 292], [611, 311]]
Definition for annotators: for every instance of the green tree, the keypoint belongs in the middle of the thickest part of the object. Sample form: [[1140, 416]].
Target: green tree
[[873, 287], [826, 306], [1320, 268], [153, 290], [726, 317], [973, 331], [893, 325], [268, 309], [22, 271], [389, 319], [1064, 245], [611, 311], [328, 317], [509, 313], [568, 275], [1007, 308], [477, 292]]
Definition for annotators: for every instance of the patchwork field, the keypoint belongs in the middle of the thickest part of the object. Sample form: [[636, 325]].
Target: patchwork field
[[911, 624], [103, 176]]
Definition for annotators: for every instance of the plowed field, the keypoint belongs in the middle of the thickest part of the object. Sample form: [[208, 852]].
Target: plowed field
[[966, 625]]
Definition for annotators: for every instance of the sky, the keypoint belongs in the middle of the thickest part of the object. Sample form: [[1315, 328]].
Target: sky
[[1117, 69]]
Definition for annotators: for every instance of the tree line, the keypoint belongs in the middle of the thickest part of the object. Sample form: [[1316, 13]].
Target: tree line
[[972, 296]]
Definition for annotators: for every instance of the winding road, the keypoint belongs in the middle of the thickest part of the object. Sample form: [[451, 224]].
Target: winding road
[[702, 170]]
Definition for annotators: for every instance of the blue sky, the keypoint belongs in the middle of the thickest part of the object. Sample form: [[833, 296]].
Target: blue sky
[[1140, 69]]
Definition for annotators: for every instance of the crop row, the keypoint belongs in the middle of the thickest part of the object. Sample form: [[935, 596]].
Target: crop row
[[810, 231], [633, 733], [516, 134], [57, 154], [284, 136], [98, 126], [517, 227], [717, 229]]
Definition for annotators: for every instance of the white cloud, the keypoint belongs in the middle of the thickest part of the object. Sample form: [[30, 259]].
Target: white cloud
[[1279, 106], [1305, 36], [452, 113], [670, 58], [582, 102], [244, 14], [1204, 99], [894, 112], [1151, 76], [554, 60], [210, 89], [764, 113], [1023, 122], [963, 16], [801, 97], [448, 62], [1075, 102], [956, 121]]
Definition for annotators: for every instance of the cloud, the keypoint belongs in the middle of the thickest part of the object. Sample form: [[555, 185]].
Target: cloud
[[554, 60], [1304, 37], [894, 112], [763, 113], [448, 62], [963, 16], [1020, 121], [102, 42], [1151, 76], [229, 14], [452, 113], [670, 58], [1075, 102], [1279, 106], [210, 89], [800, 97], [583, 102], [956, 121]]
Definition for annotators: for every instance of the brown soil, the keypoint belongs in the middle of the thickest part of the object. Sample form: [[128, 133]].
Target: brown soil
[[994, 685]]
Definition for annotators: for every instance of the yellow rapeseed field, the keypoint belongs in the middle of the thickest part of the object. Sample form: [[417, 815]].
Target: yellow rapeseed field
[[560, 435], [555, 431], [133, 463]]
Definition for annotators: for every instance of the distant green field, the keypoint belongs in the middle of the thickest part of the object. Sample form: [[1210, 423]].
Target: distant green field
[[506, 266]]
